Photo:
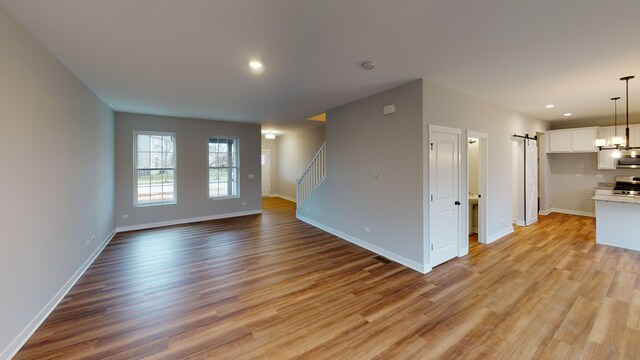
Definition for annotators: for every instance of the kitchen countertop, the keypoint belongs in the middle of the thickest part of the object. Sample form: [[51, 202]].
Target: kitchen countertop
[[618, 199]]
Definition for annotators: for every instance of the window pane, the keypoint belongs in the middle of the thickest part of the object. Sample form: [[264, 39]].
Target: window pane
[[156, 153], [143, 160], [143, 143], [223, 160]]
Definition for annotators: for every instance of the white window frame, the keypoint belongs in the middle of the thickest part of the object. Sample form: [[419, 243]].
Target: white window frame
[[135, 169], [237, 142]]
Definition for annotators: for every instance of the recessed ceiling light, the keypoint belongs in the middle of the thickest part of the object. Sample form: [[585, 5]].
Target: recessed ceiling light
[[255, 65], [550, 106], [568, 114], [270, 136]]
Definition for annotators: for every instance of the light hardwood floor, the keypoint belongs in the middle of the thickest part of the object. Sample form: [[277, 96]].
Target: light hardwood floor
[[272, 287]]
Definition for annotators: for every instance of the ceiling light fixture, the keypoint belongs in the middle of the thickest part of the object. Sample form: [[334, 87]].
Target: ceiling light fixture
[[270, 136], [567, 114], [368, 65], [550, 106], [618, 143], [255, 65]]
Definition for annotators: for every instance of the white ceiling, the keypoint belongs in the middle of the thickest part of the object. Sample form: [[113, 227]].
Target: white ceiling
[[189, 57]]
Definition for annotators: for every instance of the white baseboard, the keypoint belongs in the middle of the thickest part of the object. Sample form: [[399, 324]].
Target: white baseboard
[[283, 197], [374, 248], [518, 222], [545, 212], [19, 341], [573, 212], [186, 221], [500, 235]]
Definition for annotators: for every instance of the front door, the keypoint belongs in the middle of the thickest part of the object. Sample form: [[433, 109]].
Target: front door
[[444, 201], [265, 161]]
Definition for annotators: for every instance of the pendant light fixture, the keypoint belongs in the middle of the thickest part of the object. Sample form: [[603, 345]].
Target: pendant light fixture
[[614, 140], [618, 143]]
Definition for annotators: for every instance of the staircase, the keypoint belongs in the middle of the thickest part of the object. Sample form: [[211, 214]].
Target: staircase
[[312, 177]]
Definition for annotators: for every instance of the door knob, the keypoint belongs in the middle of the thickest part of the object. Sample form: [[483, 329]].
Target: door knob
[[457, 202]]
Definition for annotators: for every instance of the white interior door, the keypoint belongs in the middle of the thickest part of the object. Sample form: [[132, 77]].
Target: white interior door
[[532, 181], [444, 184], [265, 161]]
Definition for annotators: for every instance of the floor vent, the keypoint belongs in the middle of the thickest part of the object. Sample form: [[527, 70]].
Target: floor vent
[[382, 259]]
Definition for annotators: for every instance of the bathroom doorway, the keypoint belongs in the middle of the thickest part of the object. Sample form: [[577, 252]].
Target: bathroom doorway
[[477, 187]]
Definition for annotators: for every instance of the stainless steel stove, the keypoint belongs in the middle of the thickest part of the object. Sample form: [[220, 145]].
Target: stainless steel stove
[[627, 186]]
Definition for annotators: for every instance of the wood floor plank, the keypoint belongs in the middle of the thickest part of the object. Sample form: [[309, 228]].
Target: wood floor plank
[[272, 287]]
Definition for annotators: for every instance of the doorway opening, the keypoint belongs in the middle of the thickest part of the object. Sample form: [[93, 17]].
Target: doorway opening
[[265, 162], [477, 187]]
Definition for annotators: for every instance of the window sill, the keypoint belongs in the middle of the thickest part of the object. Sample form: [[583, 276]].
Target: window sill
[[224, 197], [156, 204]]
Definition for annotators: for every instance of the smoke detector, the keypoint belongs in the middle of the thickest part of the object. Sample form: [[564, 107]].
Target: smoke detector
[[368, 65]]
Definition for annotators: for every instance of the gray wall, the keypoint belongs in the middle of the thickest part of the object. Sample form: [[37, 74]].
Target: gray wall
[[58, 188], [192, 168], [296, 150], [361, 141], [447, 107], [272, 146], [573, 179]]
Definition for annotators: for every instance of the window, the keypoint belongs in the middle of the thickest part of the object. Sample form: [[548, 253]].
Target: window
[[154, 168], [223, 168]]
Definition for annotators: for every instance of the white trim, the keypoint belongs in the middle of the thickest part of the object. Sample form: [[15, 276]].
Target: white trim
[[545, 212], [186, 221], [573, 212], [289, 198], [500, 235], [518, 222], [444, 129], [483, 184], [374, 248], [26, 333]]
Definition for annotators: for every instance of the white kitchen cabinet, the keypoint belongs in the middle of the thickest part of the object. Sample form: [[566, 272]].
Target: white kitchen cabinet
[[579, 140], [559, 141], [605, 160]]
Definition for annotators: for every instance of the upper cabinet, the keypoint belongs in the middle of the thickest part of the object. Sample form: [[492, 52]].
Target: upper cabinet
[[579, 140]]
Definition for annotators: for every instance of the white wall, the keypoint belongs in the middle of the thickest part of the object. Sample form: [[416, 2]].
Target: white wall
[[296, 149], [361, 141], [447, 107], [272, 146], [58, 188], [192, 139]]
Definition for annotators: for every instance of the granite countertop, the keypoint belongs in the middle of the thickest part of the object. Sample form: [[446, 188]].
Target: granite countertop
[[618, 199], [606, 185]]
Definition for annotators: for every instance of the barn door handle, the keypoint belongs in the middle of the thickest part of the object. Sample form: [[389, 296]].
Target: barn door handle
[[457, 202]]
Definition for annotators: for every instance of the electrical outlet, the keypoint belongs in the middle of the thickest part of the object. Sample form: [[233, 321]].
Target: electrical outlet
[[125, 216], [244, 203], [367, 229]]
